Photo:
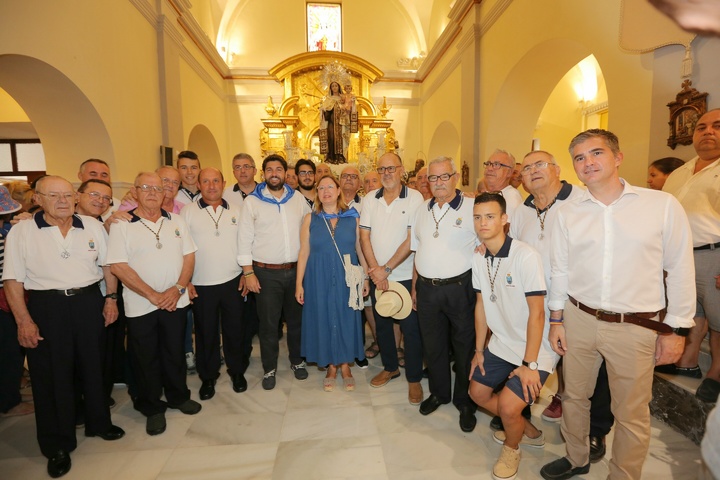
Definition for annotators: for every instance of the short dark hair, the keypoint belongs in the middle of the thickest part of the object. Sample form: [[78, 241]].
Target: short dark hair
[[611, 140], [274, 158], [188, 154], [84, 185], [93, 160], [667, 164], [487, 197], [305, 161]]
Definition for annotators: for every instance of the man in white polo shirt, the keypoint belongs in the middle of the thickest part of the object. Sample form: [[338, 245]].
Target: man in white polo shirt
[[270, 223], [153, 255], [244, 171], [385, 240], [188, 164], [510, 288], [213, 225], [443, 238], [59, 258], [499, 170], [96, 169]]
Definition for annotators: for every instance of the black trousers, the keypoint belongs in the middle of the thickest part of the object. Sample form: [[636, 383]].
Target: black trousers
[[276, 298], [156, 345], [11, 363], [73, 329], [601, 417], [249, 328], [446, 317], [218, 306]]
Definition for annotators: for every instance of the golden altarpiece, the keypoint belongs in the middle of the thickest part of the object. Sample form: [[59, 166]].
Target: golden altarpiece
[[293, 128]]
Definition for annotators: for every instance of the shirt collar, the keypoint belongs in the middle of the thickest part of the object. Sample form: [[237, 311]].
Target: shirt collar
[[627, 190], [41, 223], [504, 250], [236, 188], [201, 203], [454, 204], [563, 194], [135, 218], [381, 190], [189, 194]]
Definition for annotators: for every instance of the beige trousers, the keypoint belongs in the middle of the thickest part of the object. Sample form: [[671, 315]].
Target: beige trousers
[[629, 352]]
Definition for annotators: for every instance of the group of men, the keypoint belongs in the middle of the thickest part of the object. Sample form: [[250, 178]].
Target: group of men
[[232, 250]]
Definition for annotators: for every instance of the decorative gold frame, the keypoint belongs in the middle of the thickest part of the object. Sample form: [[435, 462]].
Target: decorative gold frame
[[688, 107]]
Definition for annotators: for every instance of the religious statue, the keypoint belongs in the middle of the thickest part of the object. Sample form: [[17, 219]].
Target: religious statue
[[465, 174], [350, 116], [333, 118]]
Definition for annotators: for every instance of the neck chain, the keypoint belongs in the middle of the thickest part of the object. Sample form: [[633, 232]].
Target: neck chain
[[217, 232], [541, 217], [492, 278], [158, 245], [437, 222]]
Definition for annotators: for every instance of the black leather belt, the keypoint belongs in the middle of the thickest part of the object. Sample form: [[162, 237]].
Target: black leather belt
[[709, 246], [69, 292], [641, 319], [439, 282]]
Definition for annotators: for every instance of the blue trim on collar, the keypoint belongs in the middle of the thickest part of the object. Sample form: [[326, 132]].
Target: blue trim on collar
[[135, 218], [201, 203], [454, 204], [403, 192], [262, 186], [41, 223], [356, 199], [504, 250], [563, 194]]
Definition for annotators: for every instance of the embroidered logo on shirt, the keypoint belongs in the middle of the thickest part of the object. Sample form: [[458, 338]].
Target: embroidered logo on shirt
[[458, 221], [177, 233], [91, 244], [233, 220], [508, 279]]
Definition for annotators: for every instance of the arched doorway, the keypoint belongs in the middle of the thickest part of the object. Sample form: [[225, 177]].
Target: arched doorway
[[202, 142]]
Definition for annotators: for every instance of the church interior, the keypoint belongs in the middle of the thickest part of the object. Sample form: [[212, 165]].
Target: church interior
[[134, 82]]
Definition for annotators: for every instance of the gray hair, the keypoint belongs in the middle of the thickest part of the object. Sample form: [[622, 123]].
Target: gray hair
[[443, 160]]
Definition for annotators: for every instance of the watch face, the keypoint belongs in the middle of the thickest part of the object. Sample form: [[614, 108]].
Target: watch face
[[533, 366]]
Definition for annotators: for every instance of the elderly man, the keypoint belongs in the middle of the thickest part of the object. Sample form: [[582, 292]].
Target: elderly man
[[499, 170], [422, 183], [96, 169], [371, 181], [444, 239], [213, 225], [695, 186], [385, 240], [291, 177], [306, 174], [154, 256], [268, 251], [322, 169], [170, 182], [608, 251], [244, 171], [59, 258], [188, 164]]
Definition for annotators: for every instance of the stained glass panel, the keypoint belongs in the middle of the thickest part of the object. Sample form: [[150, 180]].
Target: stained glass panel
[[324, 23]]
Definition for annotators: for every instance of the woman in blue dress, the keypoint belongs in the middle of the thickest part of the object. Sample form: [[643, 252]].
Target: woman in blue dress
[[331, 329]]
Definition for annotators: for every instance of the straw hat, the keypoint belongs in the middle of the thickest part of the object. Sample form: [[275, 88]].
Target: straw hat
[[395, 302]]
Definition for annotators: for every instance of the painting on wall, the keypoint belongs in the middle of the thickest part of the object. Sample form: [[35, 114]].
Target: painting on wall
[[688, 107], [324, 27]]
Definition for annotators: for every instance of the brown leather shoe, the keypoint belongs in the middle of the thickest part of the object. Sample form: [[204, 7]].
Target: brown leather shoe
[[382, 378], [415, 393]]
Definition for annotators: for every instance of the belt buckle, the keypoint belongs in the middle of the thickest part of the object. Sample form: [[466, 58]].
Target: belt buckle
[[435, 282], [69, 292], [599, 312]]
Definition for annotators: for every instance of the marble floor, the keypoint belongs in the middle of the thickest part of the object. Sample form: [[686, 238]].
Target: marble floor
[[298, 431]]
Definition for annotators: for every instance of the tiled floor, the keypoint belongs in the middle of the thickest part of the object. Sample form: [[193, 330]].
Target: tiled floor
[[297, 431]]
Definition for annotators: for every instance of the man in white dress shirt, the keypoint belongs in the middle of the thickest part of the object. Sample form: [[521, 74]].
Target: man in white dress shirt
[[609, 248]]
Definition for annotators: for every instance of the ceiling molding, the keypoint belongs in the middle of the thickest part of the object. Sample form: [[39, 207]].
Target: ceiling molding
[[146, 10]]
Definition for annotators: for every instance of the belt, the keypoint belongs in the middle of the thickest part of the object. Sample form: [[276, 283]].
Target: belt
[[439, 282], [275, 266], [70, 292], [709, 246], [642, 319]]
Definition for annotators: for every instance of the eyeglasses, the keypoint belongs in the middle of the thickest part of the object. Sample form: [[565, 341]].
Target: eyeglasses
[[149, 188], [382, 170], [244, 167], [172, 182], [496, 165], [444, 177], [305, 173], [539, 165], [55, 196], [99, 197], [349, 176]]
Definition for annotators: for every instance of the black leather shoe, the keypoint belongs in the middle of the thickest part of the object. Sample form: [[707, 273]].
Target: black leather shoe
[[430, 404], [155, 424], [562, 469], [467, 418], [597, 449], [207, 390], [112, 433], [188, 407], [239, 383], [59, 464], [496, 422]]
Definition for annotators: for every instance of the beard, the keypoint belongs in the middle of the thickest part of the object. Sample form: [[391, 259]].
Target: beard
[[306, 188], [277, 187]]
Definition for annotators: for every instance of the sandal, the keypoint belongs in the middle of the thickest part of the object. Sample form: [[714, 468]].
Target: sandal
[[401, 357], [349, 383], [372, 351], [329, 384]]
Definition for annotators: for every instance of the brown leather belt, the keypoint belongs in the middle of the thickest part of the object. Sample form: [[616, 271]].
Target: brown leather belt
[[275, 266], [642, 319]]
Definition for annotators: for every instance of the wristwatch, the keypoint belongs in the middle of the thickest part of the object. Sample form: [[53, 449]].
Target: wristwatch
[[180, 288], [388, 270], [682, 331], [530, 365], [114, 296]]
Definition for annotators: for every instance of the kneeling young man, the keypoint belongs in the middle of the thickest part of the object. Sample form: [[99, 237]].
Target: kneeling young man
[[510, 288]]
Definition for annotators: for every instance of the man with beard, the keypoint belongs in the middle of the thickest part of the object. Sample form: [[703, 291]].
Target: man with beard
[[244, 171], [268, 250], [305, 170]]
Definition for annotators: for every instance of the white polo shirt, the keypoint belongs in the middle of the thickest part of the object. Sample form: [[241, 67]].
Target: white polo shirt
[[270, 228], [234, 195], [37, 255], [518, 273], [612, 257], [513, 199], [216, 255], [388, 226], [356, 203], [134, 243], [185, 196], [450, 253], [699, 194]]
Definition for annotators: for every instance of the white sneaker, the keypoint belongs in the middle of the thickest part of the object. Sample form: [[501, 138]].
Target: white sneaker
[[190, 362], [537, 442]]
